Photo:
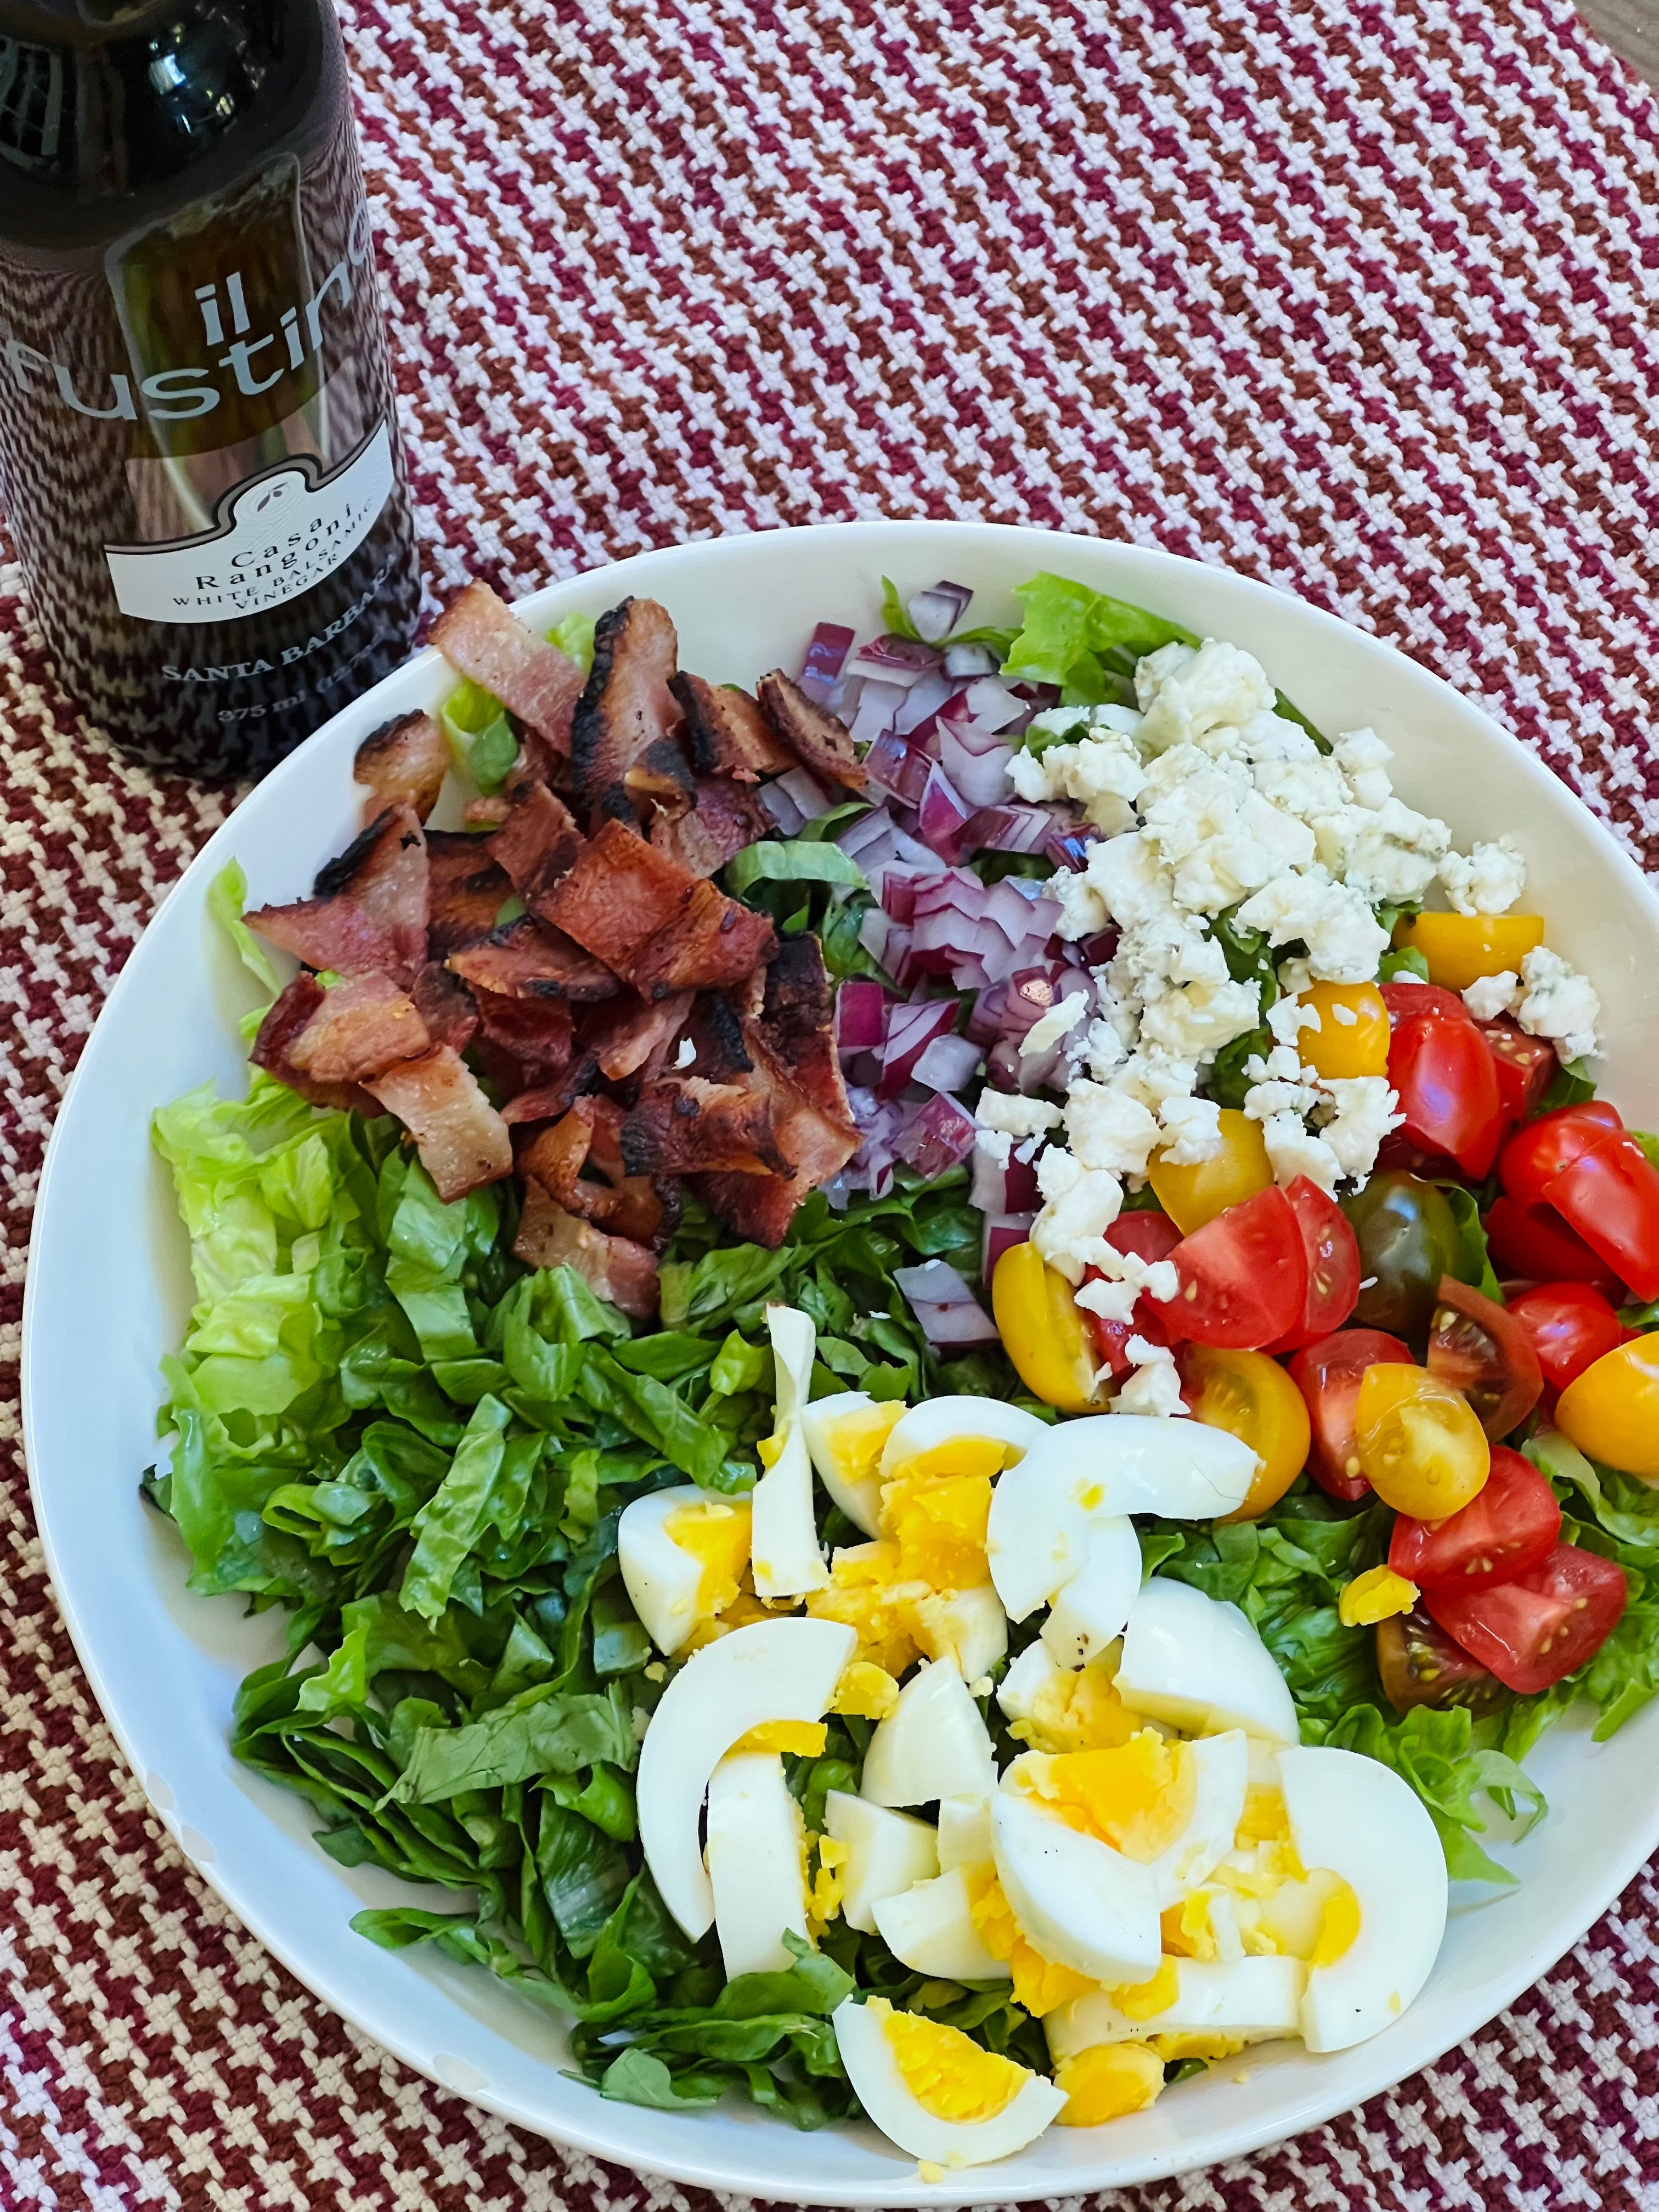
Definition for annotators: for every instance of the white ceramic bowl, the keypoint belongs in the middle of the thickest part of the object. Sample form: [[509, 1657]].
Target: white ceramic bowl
[[108, 1292]]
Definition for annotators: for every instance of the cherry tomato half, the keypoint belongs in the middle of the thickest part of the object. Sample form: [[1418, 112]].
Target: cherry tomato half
[[1041, 1329], [1535, 1155], [1328, 1375], [1252, 1397], [1409, 1240], [1193, 1195], [1510, 1527], [1332, 1254], [1418, 1443], [1537, 1627], [1460, 948], [1571, 1325], [1535, 1242], [1243, 1276], [1407, 1001], [1352, 1037], [1447, 1082], [1610, 1195], [1421, 1666], [1526, 1068], [1150, 1237], [1481, 1349], [1612, 1412]]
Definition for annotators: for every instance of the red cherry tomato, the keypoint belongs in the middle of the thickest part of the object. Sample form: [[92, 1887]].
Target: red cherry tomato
[[1244, 1277], [1150, 1237], [1332, 1253], [1328, 1374], [1409, 1002], [1535, 1242], [1609, 1193], [1540, 1624], [1447, 1082], [1526, 1068], [1509, 1527], [1535, 1155], [1571, 1325], [1480, 1349]]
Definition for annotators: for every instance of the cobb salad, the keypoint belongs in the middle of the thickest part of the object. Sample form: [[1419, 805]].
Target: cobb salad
[[940, 1367]]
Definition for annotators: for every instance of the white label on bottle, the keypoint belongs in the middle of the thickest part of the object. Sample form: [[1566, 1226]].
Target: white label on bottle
[[277, 536]]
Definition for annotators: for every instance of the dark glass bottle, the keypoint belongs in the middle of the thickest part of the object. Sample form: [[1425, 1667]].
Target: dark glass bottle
[[201, 465]]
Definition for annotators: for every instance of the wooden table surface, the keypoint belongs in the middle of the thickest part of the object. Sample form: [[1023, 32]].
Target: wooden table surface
[[1631, 27]]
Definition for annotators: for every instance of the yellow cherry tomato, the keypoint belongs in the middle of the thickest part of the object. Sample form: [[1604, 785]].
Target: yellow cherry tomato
[[1352, 1037], [1192, 1196], [1043, 1330], [1420, 1442], [1254, 1400], [1611, 1412], [1460, 948]]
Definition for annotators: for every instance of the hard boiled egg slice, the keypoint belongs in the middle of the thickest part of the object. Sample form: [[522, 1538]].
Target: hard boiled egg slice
[[681, 1552], [1216, 1769], [967, 1625], [1131, 1463], [1076, 1899], [755, 1862], [930, 1928], [1088, 1613], [887, 1852], [943, 1435], [932, 2091], [1250, 2001], [1378, 1941], [784, 1541], [934, 1743], [846, 1435], [1199, 1664], [774, 1670], [964, 1832]]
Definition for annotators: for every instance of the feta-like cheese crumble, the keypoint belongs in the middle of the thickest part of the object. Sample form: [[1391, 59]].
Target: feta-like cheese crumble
[[1489, 882], [1155, 1386], [1489, 996], [1559, 1004]]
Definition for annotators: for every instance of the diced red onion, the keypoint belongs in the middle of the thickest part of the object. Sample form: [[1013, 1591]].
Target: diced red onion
[[897, 766], [991, 703], [898, 893], [948, 1063], [980, 774], [1015, 828], [945, 1306], [910, 1029], [861, 1007], [826, 656], [943, 814], [878, 702], [808, 793], [901, 659], [779, 802], [969, 660], [937, 1135], [873, 934], [934, 614], [922, 702], [1002, 1230], [1094, 951], [1068, 842]]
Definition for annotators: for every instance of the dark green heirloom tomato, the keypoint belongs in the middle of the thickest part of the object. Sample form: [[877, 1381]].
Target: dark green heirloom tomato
[[1409, 1239], [1421, 1666]]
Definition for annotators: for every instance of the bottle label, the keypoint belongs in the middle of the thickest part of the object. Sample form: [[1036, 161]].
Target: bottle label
[[274, 537]]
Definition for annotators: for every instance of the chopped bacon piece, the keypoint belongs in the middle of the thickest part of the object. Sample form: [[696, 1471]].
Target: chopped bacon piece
[[403, 765], [726, 816], [818, 738], [537, 841], [547, 1102], [285, 1021], [661, 927], [629, 1033], [467, 891], [555, 1158], [480, 634], [536, 1031], [361, 1027], [486, 813], [461, 1139], [684, 1124], [367, 908], [797, 1019], [715, 1032], [727, 732], [524, 959], [622, 736], [605, 1153], [614, 1267], [556, 1155], [446, 1005], [756, 1208]]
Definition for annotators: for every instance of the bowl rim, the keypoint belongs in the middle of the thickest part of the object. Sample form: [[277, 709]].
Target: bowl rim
[[599, 2138]]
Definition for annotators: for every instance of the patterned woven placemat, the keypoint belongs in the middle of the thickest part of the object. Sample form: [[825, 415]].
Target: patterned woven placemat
[[1356, 295]]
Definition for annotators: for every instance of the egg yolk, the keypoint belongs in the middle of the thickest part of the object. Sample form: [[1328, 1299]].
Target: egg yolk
[[1137, 1797], [1079, 1710], [1377, 1595], [853, 1441], [1187, 1933], [867, 1693], [801, 1739], [971, 1455], [938, 1523], [1146, 2000], [947, 2072], [824, 1891], [1041, 1986], [1339, 1924], [744, 1611], [715, 1531], [865, 1592], [1105, 2083], [1185, 2043]]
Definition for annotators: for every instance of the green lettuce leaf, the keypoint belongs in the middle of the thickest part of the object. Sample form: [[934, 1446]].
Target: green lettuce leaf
[[541, 1732]]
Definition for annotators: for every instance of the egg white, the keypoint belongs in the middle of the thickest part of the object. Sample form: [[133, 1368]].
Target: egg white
[[938, 1421], [860, 1501], [872, 2069], [754, 1861], [967, 1625], [784, 1542], [930, 1928], [1197, 1663], [1255, 2000], [1180, 1469], [887, 1852], [933, 1744], [1220, 1767], [1080, 1902], [773, 1670], [663, 1581]]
